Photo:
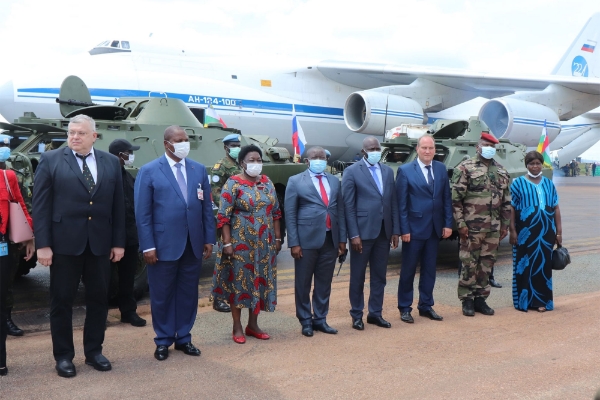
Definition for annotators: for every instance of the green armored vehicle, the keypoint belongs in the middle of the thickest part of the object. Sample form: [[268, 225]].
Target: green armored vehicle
[[142, 121], [455, 141]]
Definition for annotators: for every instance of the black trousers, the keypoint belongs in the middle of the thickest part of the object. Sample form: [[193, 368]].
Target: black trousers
[[65, 274], [127, 267], [5, 269]]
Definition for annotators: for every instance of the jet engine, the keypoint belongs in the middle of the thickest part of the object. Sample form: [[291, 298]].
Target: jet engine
[[373, 113], [519, 121]]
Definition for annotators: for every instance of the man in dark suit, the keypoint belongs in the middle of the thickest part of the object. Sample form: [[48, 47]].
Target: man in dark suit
[[316, 229], [425, 207], [372, 224], [176, 228], [79, 219], [127, 267]]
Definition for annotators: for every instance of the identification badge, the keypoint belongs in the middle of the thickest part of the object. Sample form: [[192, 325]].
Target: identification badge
[[200, 192], [3, 249]]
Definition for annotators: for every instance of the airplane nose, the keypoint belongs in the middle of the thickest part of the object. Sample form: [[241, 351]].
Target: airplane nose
[[7, 101]]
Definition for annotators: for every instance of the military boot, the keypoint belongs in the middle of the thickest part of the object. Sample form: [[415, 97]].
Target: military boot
[[11, 328], [467, 307], [482, 307], [220, 306]]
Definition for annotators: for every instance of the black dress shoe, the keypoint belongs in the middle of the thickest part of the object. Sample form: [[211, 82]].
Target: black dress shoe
[[99, 362], [468, 308], [307, 330], [325, 328], [357, 323], [220, 306], [3, 371], [494, 283], [12, 329], [482, 307], [133, 319], [406, 317], [188, 348], [379, 321], [161, 353], [430, 314], [65, 368]]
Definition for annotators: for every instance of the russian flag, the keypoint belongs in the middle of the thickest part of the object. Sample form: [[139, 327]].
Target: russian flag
[[298, 138], [589, 46]]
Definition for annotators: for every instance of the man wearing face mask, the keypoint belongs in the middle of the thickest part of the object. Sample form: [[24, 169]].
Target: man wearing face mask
[[176, 230], [220, 172], [481, 208], [316, 229], [373, 225], [127, 266]]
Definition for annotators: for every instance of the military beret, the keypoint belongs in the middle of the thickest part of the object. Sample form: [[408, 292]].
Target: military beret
[[489, 137], [231, 138], [5, 139], [327, 153]]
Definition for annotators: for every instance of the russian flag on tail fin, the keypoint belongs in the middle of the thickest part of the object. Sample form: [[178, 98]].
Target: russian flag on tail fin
[[298, 138], [589, 46]]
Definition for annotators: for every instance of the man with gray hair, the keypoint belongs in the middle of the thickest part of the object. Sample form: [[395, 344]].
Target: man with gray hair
[[79, 220]]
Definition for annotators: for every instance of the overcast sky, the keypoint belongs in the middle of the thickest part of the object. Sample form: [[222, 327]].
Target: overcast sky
[[503, 36]]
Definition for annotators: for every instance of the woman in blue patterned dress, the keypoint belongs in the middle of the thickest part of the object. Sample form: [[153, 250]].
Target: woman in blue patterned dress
[[535, 227], [245, 269]]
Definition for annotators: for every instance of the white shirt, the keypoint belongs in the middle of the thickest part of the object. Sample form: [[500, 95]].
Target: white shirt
[[424, 170], [91, 163], [174, 168], [315, 182], [377, 172]]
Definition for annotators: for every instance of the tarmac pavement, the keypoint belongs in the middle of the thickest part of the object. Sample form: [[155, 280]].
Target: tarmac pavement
[[551, 355]]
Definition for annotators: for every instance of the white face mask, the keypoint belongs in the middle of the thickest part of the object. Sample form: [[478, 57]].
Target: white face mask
[[253, 169], [534, 176], [129, 161], [181, 150]]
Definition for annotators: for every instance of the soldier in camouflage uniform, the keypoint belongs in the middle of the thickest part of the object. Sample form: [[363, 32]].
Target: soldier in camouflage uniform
[[220, 173], [481, 207]]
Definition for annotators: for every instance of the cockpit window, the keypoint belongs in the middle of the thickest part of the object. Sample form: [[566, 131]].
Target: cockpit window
[[105, 43], [125, 44], [115, 43]]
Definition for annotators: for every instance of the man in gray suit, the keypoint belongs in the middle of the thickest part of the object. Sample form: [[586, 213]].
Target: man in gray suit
[[373, 225], [316, 228]]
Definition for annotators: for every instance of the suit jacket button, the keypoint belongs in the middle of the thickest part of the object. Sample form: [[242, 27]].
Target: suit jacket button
[[89, 217], [91, 202]]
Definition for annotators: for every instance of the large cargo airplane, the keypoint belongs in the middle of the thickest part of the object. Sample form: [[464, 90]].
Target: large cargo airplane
[[337, 103]]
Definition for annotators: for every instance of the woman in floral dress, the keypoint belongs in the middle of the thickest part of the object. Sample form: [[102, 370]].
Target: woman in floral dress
[[246, 266], [535, 227]]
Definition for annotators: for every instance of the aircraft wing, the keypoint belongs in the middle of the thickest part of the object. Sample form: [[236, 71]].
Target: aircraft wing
[[371, 75]]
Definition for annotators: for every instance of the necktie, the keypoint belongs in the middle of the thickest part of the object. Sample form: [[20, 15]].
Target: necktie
[[325, 200], [87, 174], [374, 174], [429, 176], [181, 182]]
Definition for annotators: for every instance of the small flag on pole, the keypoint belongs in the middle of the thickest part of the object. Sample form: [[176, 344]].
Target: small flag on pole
[[211, 117], [298, 138], [543, 145]]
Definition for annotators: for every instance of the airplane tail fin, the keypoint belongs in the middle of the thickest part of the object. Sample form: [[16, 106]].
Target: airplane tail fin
[[582, 58]]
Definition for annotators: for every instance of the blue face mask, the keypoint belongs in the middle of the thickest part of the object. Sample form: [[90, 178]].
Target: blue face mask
[[4, 153], [488, 152], [317, 166], [373, 157]]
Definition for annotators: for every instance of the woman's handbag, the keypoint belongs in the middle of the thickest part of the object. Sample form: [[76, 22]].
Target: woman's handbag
[[18, 227], [560, 258]]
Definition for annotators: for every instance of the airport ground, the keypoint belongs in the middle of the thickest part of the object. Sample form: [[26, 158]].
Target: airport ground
[[511, 355]]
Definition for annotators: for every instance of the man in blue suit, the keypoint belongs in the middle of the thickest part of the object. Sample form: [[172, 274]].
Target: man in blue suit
[[425, 207], [316, 230], [373, 225], [176, 229]]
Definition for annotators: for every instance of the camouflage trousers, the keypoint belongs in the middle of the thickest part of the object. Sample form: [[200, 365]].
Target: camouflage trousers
[[478, 256]]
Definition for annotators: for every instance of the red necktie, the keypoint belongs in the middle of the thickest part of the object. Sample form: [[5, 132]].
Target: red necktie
[[325, 200]]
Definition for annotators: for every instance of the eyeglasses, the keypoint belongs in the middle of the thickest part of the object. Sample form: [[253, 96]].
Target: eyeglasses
[[75, 133]]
